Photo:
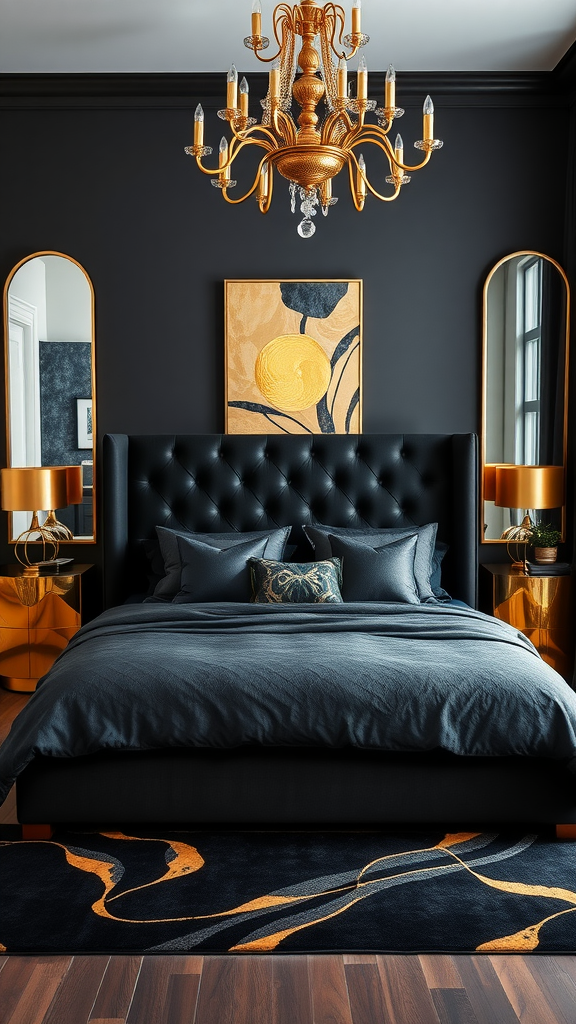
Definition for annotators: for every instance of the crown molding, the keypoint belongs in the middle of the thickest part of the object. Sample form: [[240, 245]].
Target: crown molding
[[458, 88]]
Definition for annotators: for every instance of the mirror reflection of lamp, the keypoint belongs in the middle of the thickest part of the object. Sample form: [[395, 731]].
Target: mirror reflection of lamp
[[41, 488], [525, 487]]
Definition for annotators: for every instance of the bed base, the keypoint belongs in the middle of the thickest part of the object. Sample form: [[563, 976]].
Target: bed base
[[274, 787]]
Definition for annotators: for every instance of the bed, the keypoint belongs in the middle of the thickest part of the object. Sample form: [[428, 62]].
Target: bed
[[322, 761]]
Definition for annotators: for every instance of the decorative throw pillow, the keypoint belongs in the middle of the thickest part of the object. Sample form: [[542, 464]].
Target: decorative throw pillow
[[296, 582], [377, 574], [319, 537], [170, 585], [216, 574]]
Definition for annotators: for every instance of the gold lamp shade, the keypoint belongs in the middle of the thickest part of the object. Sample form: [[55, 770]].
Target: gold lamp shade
[[490, 479], [35, 488], [529, 486]]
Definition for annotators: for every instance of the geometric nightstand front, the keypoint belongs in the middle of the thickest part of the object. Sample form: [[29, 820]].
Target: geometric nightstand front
[[540, 607], [39, 615]]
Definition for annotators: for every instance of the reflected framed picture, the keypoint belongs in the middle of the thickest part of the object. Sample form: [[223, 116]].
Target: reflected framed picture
[[84, 415], [293, 359]]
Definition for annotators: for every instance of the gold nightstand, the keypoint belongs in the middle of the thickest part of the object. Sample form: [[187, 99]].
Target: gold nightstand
[[540, 607], [39, 615]]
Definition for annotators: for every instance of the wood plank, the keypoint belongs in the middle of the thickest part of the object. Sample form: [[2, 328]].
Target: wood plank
[[440, 970], [559, 991], [151, 992], [8, 809], [360, 958], [117, 988], [235, 990], [524, 993], [11, 704], [16, 974], [487, 997], [39, 992], [291, 996], [453, 1006], [406, 994], [75, 997], [330, 1002], [365, 993], [181, 999]]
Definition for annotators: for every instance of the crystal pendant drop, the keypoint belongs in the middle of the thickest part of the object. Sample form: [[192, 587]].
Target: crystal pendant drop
[[293, 196], [306, 228]]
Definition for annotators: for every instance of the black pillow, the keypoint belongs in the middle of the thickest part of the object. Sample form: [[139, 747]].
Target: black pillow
[[296, 582], [170, 585], [319, 537], [216, 574], [377, 574]]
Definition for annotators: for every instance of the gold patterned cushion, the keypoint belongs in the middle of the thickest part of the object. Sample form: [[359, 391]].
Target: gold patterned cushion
[[296, 582]]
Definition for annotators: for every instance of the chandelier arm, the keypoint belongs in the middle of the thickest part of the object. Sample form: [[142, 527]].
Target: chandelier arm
[[242, 135], [366, 138], [336, 12], [287, 16], [234, 153], [265, 206], [235, 202], [385, 199]]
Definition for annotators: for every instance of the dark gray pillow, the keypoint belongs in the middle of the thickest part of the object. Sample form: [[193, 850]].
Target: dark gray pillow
[[216, 574], [436, 574], [167, 588], [385, 573], [319, 537]]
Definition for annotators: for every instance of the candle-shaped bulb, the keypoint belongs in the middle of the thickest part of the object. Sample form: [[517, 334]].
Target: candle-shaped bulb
[[356, 9], [342, 78], [223, 147], [362, 79], [256, 18], [232, 88], [275, 81], [428, 119], [198, 126], [244, 97], [263, 183], [390, 89], [399, 143], [361, 183]]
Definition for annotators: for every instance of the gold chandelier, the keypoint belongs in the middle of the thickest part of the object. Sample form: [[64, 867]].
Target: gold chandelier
[[311, 155]]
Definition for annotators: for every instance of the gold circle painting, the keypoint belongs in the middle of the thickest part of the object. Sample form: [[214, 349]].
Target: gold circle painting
[[292, 372]]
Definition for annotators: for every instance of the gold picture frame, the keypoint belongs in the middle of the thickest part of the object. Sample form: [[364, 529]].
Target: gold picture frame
[[293, 356]]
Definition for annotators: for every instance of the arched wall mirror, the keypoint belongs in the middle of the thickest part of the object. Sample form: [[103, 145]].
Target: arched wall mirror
[[525, 377], [49, 364]]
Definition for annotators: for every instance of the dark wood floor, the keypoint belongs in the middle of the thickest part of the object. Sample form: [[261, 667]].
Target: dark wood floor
[[288, 990], [280, 989]]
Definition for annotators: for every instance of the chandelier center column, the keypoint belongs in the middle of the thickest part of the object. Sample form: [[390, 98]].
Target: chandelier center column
[[308, 90]]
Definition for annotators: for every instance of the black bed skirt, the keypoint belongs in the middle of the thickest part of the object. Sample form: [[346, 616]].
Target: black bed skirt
[[279, 786]]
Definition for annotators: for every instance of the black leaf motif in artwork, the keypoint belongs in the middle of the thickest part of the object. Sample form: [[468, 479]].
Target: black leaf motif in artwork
[[353, 403], [313, 298], [268, 412]]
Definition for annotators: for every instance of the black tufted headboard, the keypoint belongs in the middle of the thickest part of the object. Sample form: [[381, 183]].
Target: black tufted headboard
[[216, 482]]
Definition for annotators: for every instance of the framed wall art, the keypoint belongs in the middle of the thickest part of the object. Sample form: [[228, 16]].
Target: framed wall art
[[84, 414], [293, 360]]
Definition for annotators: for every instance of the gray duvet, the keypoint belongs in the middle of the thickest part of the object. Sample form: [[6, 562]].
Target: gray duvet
[[388, 677]]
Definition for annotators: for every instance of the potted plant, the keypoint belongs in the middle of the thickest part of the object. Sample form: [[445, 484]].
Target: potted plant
[[545, 539]]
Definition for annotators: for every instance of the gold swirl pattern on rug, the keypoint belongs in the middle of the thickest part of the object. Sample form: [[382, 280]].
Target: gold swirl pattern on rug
[[339, 892], [292, 372]]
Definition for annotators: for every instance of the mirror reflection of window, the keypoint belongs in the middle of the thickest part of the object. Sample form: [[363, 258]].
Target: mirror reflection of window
[[525, 375], [49, 318]]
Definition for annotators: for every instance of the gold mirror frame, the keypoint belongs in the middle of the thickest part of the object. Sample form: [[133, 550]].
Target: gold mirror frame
[[485, 329], [91, 539]]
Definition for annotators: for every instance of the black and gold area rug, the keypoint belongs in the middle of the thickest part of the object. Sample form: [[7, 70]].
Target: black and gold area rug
[[214, 892]]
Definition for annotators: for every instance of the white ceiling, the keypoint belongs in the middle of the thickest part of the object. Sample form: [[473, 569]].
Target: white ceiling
[[206, 35]]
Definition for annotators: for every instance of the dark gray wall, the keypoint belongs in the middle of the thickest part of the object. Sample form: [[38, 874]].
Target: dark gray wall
[[104, 178]]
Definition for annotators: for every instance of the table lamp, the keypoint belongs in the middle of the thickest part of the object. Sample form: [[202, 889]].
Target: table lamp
[[43, 488], [527, 487]]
